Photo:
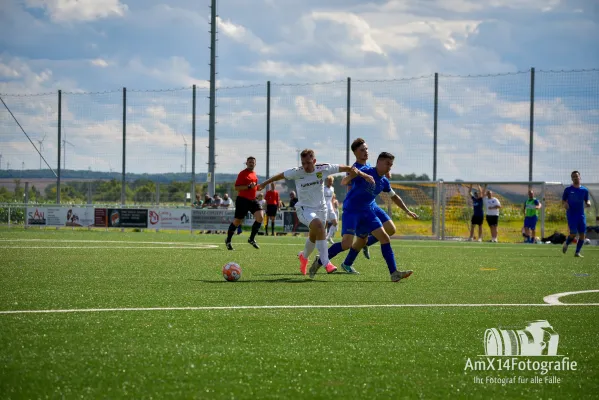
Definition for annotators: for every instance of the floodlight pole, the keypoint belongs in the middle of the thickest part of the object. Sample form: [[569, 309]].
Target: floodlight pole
[[212, 112]]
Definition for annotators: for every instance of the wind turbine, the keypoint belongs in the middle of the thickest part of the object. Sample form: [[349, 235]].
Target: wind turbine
[[0, 160], [64, 148], [41, 143]]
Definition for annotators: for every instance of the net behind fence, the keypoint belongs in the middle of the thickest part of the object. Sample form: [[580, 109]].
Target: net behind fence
[[92, 146], [566, 125], [446, 209], [397, 117], [241, 127], [20, 162], [308, 116], [483, 127], [159, 144]]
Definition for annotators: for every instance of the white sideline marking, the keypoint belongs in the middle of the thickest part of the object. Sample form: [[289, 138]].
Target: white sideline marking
[[553, 299], [504, 246], [210, 308], [196, 247], [98, 241]]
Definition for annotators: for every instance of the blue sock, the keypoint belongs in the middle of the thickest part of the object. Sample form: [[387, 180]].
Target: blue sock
[[389, 257], [351, 257], [569, 240], [333, 251], [579, 245], [371, 240]]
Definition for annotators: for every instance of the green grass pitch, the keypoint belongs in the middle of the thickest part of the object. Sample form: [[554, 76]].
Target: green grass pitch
[[218, 349]]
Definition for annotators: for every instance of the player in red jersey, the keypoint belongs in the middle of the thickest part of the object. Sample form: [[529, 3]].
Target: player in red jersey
[[246, 187]]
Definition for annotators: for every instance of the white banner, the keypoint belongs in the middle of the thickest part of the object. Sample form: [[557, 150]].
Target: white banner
[[36, 216], [211, 219], [60, 216], [279, 223], [169, 218]]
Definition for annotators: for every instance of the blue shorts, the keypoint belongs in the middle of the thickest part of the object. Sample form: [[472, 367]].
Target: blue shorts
[[381, 214], [577, 224], [531, 222], [359, 223]]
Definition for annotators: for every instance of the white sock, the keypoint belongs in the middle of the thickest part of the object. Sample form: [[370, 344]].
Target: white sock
[[332, 231], [323, 251], [309, 248]]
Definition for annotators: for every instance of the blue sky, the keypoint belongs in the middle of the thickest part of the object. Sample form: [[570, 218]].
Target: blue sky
[[104, 45]]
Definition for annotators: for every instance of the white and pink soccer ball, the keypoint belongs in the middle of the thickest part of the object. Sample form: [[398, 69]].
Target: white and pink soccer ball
[[231, 272]]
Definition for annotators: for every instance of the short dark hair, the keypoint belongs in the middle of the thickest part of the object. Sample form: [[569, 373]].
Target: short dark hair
[[250, 158], [306, 153], [387, 155], [357, 143], [575, 172]]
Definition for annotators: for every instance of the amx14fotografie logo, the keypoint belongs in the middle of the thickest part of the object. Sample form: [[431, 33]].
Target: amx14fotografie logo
[[533, 348]]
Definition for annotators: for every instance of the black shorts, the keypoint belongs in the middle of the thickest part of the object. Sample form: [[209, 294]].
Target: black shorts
[[492, 220], [243, 206], [271, 210], [477, 220]]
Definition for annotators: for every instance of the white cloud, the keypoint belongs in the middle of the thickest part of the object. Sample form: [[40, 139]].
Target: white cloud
[[9, 72], [359, 29], [241, 34], [80, 10], [98, 62], [156, 112]]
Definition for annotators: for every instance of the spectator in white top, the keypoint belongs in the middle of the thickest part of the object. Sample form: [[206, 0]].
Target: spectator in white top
[[492, 206], [226, 201]]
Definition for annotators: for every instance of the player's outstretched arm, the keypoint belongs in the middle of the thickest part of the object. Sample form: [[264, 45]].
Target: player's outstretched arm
[[270, 180], [398, 200], [353, 172]]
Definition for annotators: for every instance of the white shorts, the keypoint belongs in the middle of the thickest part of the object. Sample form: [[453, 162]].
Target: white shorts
[[331, 215], [305, 215]]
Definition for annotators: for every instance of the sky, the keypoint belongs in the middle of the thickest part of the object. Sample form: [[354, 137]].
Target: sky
[[482, 50]]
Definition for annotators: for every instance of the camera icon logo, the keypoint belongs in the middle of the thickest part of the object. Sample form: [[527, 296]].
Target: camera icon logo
[[538, 338]]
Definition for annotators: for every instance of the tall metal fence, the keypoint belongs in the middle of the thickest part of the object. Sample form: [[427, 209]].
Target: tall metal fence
[[530, 125]]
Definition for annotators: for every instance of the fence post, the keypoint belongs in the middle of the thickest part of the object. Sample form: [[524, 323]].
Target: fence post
[[436, 115], [123, 183], [212, 116], [347, 125], [193, 145], [268, 129], [532, 122], [435, 227], [543, 191], [59, 142]]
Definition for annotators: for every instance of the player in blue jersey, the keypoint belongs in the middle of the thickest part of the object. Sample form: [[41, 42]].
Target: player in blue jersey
[[360, 150], [574, 200], [478, 214], [359, 218]]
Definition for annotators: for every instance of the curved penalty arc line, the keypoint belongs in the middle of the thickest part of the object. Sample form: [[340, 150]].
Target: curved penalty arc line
[[553, 299]]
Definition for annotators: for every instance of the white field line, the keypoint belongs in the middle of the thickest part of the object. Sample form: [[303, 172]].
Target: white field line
[[97, 241], [504, 246], [200, 247], [553, 299], [209, 308]]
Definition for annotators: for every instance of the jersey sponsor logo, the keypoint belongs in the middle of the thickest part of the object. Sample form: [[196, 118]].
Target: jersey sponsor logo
[[311, 183], [319, 175]]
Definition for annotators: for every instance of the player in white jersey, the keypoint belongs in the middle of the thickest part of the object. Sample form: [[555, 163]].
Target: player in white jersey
[[329, 196], [312, 208]]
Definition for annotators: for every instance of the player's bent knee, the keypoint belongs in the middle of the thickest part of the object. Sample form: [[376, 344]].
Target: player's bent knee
[[390, 228]]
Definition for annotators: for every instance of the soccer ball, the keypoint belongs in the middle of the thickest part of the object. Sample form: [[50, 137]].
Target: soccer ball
[[231, 272]]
